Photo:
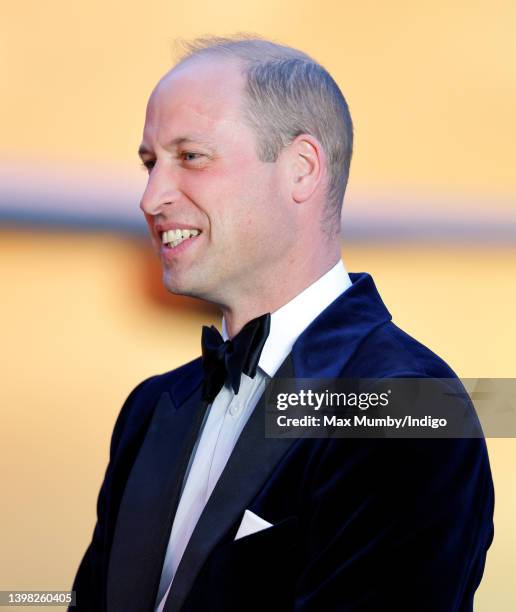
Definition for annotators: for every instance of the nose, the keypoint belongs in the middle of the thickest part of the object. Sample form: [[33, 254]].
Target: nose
[[161, 190]]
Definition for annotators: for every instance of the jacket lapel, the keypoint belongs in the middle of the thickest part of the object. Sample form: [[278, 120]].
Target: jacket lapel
[[242, 478], [149, 503]]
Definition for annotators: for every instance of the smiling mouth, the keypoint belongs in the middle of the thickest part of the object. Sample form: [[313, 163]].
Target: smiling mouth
[[173, 238]]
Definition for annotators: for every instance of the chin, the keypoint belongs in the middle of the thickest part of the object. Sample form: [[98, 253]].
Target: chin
[[177, 287], [190, 285]]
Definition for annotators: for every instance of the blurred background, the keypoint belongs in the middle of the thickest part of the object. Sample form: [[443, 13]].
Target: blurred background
[[429, 212]]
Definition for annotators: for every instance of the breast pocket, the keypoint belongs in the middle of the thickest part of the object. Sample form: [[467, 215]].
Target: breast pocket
[[257, 572], [284, 530]]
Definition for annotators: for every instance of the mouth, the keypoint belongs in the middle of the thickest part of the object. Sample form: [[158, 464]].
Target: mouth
[[174, 237]]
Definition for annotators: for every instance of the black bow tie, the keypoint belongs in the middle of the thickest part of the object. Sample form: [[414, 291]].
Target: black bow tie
[[232, 357]]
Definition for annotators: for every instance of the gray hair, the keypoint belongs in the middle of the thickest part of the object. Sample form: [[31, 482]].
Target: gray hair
[[288, 94]]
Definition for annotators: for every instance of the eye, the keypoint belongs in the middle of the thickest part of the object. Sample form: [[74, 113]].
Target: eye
[[190, 155]]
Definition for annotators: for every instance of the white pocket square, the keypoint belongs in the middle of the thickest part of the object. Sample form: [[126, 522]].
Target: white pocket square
[[251, 523]]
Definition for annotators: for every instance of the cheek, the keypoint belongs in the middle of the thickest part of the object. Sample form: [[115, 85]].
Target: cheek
[[241, 203], [216, 189], [262, 213]]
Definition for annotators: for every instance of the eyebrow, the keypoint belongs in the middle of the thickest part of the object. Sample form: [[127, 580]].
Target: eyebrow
[[142, 150]]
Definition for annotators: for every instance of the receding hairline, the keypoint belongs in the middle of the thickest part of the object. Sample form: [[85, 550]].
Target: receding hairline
[[192, 137], [206, 57], [240, 71]]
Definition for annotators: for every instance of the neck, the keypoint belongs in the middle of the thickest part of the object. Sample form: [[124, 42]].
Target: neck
[[270, 295]]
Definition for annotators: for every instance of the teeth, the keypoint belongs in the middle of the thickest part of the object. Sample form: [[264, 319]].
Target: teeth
[[175, 237]]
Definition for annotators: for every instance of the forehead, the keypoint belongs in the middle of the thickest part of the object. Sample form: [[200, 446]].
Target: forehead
[[201, 94]]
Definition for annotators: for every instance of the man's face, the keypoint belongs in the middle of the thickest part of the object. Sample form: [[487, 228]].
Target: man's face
[[204, 174]]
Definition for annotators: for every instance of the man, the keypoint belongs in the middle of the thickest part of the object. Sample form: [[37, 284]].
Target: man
[[248, 145]]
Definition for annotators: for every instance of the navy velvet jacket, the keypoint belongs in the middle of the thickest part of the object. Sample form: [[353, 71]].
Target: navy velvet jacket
[[358, 524]]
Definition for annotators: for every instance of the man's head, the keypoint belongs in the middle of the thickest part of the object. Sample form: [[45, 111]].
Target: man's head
[[249, 142]]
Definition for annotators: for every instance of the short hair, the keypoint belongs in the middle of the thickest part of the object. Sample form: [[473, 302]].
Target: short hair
[[287, 94]]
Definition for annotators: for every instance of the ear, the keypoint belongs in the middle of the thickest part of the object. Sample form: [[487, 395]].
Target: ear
[[307, 163]]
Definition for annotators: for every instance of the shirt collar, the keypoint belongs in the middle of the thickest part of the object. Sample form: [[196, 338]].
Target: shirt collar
[[292, 318]]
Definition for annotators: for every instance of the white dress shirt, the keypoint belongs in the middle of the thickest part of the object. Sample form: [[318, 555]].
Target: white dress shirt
[[227, 415]]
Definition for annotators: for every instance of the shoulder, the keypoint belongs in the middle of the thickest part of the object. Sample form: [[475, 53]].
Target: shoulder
[[138, 407], [388, 351], [178, 382]]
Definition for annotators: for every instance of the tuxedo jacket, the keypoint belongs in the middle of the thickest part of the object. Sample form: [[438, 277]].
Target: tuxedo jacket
[[356, 524]]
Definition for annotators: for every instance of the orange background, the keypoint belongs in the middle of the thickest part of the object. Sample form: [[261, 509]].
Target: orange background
[[431, 88]]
